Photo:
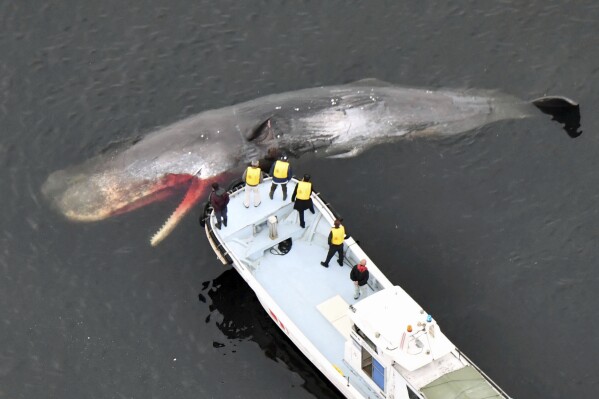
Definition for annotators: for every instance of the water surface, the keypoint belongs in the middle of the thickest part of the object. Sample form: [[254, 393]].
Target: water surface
[[494, 232]]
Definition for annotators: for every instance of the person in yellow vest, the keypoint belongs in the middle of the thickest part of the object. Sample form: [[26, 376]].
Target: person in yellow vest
[[336, 238], [302, 198], [252, 178], [281, 174]]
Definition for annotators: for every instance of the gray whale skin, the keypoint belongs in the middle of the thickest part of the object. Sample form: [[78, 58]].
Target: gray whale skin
[[214, 145]]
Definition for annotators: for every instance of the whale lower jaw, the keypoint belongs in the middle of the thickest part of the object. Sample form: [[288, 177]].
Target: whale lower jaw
[[197, 190]]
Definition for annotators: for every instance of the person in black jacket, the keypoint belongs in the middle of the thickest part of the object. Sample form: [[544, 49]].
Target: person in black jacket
[[359, 275], [219, 199]]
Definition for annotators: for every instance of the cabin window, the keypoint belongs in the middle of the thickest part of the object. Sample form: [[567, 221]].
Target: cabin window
[[373, 369]]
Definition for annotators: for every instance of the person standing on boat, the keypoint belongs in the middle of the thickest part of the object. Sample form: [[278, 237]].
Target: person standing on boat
[[252, 178], [359, 275], [219, 199], [281, 174], [336, 238], [302, 198]]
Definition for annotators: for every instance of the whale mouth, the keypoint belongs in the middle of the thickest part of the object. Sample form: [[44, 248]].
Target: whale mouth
[[196, 191], [83, 198]]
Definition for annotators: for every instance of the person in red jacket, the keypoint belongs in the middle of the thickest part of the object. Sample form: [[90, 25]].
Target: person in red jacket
[[219, 199], [359, 275]]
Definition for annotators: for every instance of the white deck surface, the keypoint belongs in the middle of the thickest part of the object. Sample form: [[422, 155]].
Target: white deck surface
[[303, 289], [299, 287], [240, 216], [316, 298]]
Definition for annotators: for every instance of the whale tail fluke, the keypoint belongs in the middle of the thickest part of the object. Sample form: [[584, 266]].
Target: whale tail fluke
[[562, 110]]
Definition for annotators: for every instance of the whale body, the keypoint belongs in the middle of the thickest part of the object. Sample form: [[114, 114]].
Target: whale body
[[332, 121]]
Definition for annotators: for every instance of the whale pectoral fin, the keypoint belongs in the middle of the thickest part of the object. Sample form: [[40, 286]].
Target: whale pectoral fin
[[196, 191], [351, 153]]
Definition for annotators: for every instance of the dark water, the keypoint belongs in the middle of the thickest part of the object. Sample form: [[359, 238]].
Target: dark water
[[494, 232]]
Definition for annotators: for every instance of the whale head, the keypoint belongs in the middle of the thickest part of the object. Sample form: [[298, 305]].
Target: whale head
[[186, 157]]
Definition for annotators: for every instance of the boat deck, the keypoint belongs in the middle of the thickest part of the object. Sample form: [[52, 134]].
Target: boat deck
[[315, 298], [300, 287]]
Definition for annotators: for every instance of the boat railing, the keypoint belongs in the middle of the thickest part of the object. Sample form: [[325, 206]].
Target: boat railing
[[221, 253], [327, 204]]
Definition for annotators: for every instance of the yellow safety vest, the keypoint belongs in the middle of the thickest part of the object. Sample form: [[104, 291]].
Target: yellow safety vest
[[281, 168], [252, 176], [304, 188], [338, 235]]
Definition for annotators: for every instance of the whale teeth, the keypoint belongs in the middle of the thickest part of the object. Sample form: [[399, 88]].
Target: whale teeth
[[194, 193], [168, 226]]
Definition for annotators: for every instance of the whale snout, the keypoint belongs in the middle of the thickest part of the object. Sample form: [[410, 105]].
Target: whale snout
[[84, 197], [80, 197]]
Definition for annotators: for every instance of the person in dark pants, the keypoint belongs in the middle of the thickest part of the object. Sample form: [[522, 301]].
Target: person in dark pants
[[302, 198], [281, 174], [359, 275], [336, 237], [219, 199]]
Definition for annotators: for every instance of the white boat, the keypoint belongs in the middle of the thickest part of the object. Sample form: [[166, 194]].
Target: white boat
[[364, 347]]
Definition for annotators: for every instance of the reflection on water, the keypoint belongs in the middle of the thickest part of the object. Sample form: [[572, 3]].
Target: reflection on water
[[571, 121], [563, 111], [244, 318]]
